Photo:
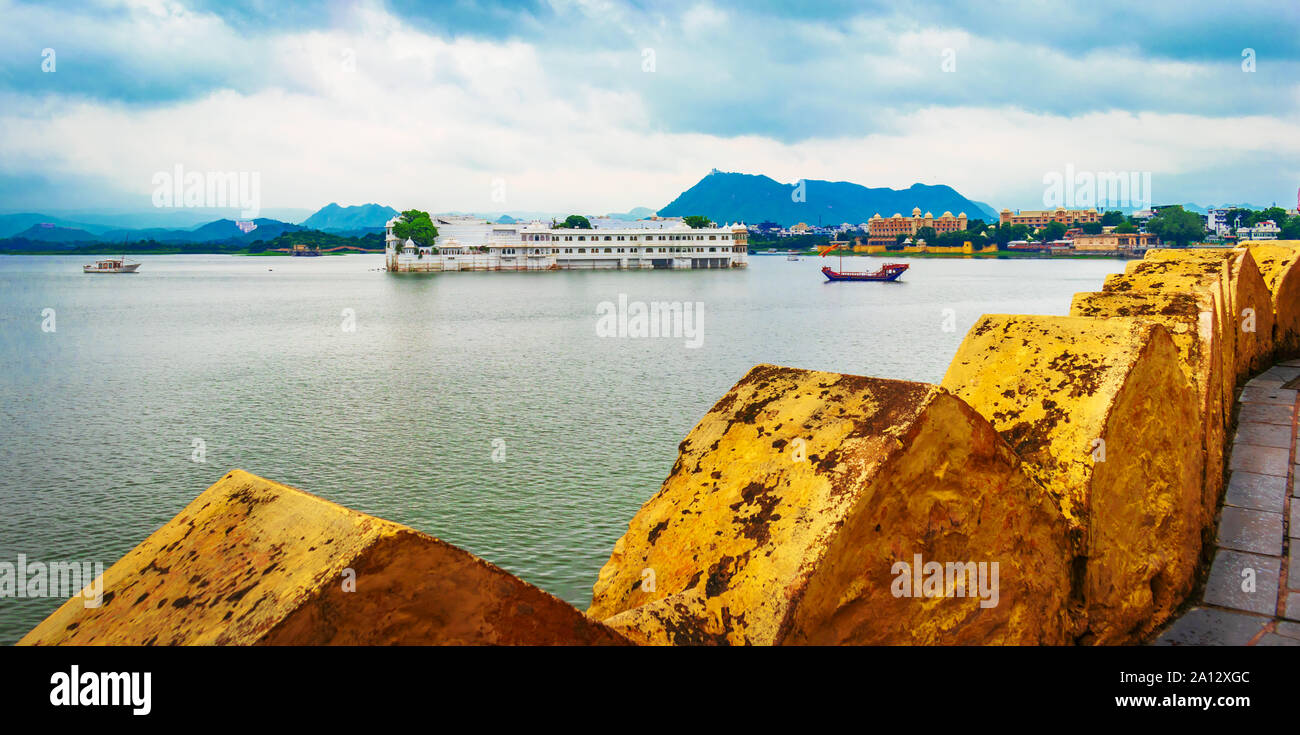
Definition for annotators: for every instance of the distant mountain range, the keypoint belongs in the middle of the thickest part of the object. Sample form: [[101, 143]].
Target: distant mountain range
[[731, 197], [222, 230], [720, 196], [50, 232], [333, 218]]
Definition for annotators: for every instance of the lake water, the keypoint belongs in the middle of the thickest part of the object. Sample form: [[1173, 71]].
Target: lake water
[[400, 416]]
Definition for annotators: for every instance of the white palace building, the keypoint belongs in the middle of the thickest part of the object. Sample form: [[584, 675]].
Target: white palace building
[[471, 244]]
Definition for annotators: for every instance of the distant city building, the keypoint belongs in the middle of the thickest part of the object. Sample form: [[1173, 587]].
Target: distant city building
[[1216, 221], [1037, 218], [1114, 241], [1142, 216], [1266, 230], [885, 230]]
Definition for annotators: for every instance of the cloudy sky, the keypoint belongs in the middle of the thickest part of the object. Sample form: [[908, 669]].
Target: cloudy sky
[[602, 105]]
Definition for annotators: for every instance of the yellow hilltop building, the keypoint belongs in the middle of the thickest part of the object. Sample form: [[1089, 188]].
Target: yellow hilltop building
[[1036, 218], [885, 231]]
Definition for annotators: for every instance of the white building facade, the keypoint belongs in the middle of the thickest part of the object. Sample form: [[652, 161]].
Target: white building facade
[[1216, 221], [469, 244], [1266, 230]]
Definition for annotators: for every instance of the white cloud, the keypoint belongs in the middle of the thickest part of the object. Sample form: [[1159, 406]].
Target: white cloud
[[431, 121]]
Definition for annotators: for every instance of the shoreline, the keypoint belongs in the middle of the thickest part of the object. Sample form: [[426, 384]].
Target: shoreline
[[169, 252]]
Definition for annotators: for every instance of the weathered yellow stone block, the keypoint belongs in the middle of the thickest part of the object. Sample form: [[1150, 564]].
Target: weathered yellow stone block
[[1251, 317], [792, 501], [1196, 276], [1192, 322], [251, 561], [1099, 410], [1277, 264]]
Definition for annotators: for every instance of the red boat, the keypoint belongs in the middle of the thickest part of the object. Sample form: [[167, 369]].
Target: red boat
[[887, 272]]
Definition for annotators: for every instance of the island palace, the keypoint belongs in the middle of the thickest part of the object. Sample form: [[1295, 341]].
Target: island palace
[[472, 244]]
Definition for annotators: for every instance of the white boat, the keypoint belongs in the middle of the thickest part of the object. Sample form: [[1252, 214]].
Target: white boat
[[110, 265]]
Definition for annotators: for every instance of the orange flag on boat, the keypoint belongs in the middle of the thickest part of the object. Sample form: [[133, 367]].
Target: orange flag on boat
[[827, 249]]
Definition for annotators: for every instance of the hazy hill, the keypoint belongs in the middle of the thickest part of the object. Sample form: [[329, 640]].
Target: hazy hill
[[13, 224], [333, 218], [55, 234], [731, 197], [632, 214]]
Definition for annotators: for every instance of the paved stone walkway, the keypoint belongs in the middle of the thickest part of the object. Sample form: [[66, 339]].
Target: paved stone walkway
[[1258, 524]]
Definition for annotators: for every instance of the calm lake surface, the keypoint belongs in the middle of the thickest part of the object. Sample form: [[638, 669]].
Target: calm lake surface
[[400, 416]]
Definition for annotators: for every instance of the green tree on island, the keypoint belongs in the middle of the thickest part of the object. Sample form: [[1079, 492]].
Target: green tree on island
[[576, 222], [1290, 229], [696, 221], [416, 226], [1091, 228], [1006, 232], [1051, 231], [1125, 228], [927, 234], [1277, 214], [1177, 225], [1112, 218]]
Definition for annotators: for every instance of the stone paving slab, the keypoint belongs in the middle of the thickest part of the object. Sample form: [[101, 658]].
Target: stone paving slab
[[1280, 372], [1292, 607], [1203, 626], [1263, 435], [1257, 531], [1273, 639], [1266, 413], [1240, 602], [1224, 587], [1262, 460], [1268, 394], [1252, 490]]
